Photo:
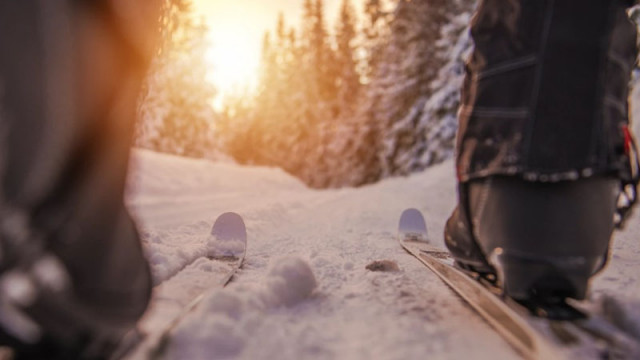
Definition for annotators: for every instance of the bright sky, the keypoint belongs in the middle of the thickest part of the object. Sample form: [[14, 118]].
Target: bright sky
[[236, 29]]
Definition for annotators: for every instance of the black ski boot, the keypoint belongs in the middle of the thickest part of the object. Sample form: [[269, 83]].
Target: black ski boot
[[462, 245], [543, 240], [41, 313]]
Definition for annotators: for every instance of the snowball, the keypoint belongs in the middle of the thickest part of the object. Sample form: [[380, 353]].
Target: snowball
[[289, 282]]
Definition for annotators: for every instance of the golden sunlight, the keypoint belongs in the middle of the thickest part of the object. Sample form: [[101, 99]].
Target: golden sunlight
[[234, 61], [233, 55], [236, 29], [235, 34]]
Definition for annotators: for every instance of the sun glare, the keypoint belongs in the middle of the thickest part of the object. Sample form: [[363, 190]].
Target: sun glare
[[236, 29], [233, 61]]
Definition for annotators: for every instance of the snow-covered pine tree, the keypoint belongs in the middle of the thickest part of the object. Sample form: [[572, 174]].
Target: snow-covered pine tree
[[406, 102], [353, 149], [404, 75], [316, 59], [425, 133], [438, 121], [287, 129], [341, 129], [348, 79], [176, 114], [323, 56], [375, 32], [303, 97], [258, 146], [406, 118]]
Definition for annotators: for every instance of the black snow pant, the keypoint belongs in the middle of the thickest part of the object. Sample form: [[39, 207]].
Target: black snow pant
[[70, 73], [546, 88]]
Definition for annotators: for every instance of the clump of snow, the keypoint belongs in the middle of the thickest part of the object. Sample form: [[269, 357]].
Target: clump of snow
[[169, 252], [217, 335], [217, 247], [219, 326], [290, 281]]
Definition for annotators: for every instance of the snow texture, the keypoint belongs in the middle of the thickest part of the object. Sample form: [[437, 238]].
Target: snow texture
[[304, 291], [219, 327]]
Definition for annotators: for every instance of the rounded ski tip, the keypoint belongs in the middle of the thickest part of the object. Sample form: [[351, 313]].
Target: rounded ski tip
[[228, 240], [411, 212], [226, 222], [412, 221]]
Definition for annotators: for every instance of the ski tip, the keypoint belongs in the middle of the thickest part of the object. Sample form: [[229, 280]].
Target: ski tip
[[228, 240], [229, 223], [411, 212], [412, 222]]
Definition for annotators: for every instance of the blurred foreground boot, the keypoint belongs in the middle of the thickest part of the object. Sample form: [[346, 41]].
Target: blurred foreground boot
[[73, 277], [544, 241]]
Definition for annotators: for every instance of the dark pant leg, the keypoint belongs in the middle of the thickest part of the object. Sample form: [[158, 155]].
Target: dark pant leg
[[70, 73], [545, 94]]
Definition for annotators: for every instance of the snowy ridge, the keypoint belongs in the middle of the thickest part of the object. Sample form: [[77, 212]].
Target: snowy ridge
[[321, 302]]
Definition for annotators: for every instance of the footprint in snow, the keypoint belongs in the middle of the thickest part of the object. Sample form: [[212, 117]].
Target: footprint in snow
[[383, 266]]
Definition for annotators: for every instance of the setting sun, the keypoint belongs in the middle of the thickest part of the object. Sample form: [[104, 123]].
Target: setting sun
[[236, 29], [235, 34], [234, 61]]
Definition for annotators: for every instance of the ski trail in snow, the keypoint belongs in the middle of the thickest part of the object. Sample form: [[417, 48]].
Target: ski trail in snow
[[171, 251], [352, 312]]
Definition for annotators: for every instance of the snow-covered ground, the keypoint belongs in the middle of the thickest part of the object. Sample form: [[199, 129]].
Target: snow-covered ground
[[304, 291]]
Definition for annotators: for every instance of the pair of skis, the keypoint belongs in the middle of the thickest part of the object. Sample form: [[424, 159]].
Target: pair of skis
[[533, 338]]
